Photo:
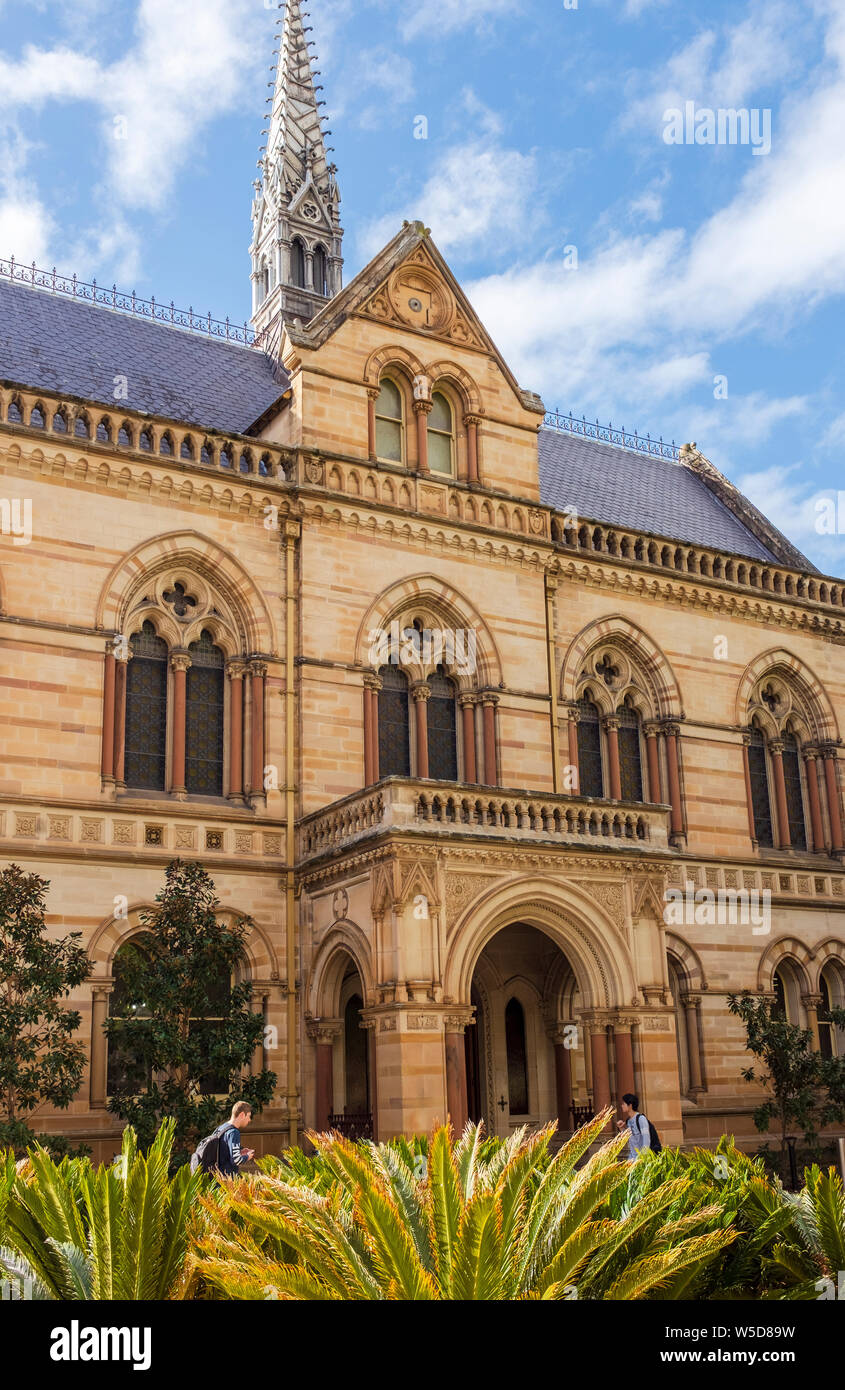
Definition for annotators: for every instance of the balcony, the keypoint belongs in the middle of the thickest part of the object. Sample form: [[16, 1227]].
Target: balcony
[[455, 811]]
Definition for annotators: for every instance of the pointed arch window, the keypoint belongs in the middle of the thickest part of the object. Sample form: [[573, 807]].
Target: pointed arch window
[[590, 778], [630, 753], [321, 272], [36, 418], [831, 1038], [146, 712], [204, 718], [517, 1052], [441, 435], [125, 1071], [297, 263], [14, 414], [761, 805], [394, 724], [442, 729], [390, 422], [794, 792]]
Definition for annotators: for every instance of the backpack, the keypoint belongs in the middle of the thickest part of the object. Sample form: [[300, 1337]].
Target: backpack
[[654, 1137], [207, 1154]]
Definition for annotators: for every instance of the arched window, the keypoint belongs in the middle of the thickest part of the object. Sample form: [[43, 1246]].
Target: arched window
[[204, 718], [146, 711], [761, 805], [13, 414], [442, 729], [677, 987], [794, 793], [297, 263], [123, 436], [630, 756], [394, 724], [60, 422], [779, 1009], [787, 989], [36, 418], [590, 779], [321, 272], [517, 1052], [441, 435], [831, 1038], [145, 441], [81, 428], [104, 432], [126, 1073], [389, 422], [209, 1028]]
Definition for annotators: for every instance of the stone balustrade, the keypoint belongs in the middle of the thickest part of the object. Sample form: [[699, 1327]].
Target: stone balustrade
[[436, 808]]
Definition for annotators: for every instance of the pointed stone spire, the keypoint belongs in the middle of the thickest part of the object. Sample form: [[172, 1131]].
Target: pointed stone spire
[[297, 262]]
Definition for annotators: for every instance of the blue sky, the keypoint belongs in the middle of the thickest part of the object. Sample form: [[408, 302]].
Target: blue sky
[[545, 132]]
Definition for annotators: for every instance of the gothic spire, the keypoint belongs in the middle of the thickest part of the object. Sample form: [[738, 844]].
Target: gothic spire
[[296, 248]]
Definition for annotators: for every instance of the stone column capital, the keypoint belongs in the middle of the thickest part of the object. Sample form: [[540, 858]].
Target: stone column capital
[[324, 1030], [812, 1001], [472, 419], [458, 1022], [373, 392], [180, 660], [421, 691], [610, 722], [690, 1001], [672, 728], [257, 668], [488, 699], [651, 728], [423, 407], [775, 746], [373, 682], [829, 750], [236, 670], [467, 700]]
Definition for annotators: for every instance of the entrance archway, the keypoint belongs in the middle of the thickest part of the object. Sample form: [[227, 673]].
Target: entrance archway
[[520, 1066], [345, 1093]]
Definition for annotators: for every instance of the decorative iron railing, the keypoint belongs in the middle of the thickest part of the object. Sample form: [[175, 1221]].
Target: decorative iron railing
[[352, 1126], [71, 287], [606, 434]]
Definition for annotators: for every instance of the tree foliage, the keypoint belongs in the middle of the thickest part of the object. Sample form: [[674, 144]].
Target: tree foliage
[[41, 1059], [184, 1034]]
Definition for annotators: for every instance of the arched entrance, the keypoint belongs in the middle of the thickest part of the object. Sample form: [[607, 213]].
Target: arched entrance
[[345, 1094], [523, 1062]]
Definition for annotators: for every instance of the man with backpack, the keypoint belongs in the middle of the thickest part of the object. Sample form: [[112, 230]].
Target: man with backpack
[[642, 1134], [221, 1151]]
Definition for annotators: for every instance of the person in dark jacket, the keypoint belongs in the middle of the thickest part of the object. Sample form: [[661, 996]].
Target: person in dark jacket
[[230, 1156]]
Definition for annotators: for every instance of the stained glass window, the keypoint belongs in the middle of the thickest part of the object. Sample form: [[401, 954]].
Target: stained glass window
[[590, 780], [760, 801], [394, 724], [440, 435], [517, 1058], [794, 796], [442, 730], [146, 711], [204, 719], [211, 1030], [630, 757], [389, 422]]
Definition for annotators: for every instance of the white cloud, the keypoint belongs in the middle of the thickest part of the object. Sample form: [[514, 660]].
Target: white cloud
[[834, 435], [451, 15], [788, 498]]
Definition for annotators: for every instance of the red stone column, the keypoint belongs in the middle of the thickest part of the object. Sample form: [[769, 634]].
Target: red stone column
[[690, 1003], [572, 733], [611, 725], [372, 397], [811, 769], [746, 767], [673, 735], [601, 1068], [833, 807], [257, 679], [776, 751], [456, 1072], [180, 662], [323, 1034], [655, 793], [422, 410], [467, 704], [491, 774], [372, 686], [235, 671], [107, 767], [624, 1058], [563, 1084], [371, 1025], [121, 665], [472, 423], [421, 694]]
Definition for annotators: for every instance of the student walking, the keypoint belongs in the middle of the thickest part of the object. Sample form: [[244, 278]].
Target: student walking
[[641, 1132], [221, 1151]]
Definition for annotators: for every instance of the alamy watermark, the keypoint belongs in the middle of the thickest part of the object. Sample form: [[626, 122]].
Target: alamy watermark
[[721, 907], [701, 125], [16, 519], [457, 648]]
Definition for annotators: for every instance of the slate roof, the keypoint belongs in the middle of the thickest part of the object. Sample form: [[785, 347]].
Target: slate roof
[[77, 349], [606, 483]]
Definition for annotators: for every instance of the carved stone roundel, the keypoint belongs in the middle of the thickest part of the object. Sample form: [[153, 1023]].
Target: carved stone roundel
[[420, 299]]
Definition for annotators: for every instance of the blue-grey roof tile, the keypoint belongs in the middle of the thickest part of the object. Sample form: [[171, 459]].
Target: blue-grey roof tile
[[76, 349], [606, 483]]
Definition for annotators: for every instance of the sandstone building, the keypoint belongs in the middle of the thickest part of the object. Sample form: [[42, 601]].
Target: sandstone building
[[446, 694]]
